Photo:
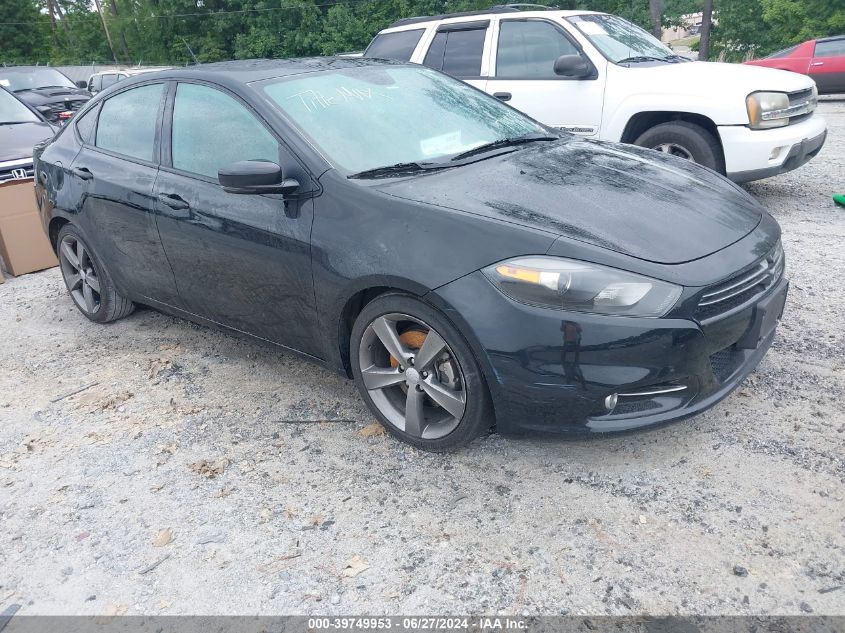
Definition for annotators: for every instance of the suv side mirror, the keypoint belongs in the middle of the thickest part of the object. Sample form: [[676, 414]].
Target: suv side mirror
[[82, 84], [255, 177], [572, 66]]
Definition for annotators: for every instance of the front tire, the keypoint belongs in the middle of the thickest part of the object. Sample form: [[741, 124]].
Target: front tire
[[418, 375], [685, 140], [87, 280]]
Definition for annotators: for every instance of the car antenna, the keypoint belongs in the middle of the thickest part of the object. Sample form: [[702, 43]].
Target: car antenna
[[196, 61]]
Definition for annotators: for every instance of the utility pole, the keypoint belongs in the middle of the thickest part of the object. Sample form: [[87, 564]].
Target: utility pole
[[106, 29], [706, 24]]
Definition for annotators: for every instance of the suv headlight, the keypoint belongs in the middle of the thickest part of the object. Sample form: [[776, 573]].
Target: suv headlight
[[567, 284], [772, 109]]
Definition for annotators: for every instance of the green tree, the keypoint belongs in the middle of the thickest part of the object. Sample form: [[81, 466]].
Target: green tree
[[24, 33]]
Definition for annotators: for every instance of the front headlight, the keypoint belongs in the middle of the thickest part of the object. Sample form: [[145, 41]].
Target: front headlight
[[566, 284], [773, 109]]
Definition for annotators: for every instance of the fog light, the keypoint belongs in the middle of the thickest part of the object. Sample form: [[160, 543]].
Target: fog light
[[776, 152], [610, 402]]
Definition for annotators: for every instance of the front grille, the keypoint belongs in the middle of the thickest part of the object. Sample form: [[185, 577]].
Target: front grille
[[19, 172], [728, 295], [725, 362], [805, 103]]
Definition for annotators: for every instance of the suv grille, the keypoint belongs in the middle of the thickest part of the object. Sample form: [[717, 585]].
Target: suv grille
[[18, 172], [739, 289], [802, 98]]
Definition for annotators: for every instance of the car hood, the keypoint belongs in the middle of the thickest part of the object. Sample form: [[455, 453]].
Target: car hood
[[709, 78], [43, 96], [634, 201], [16, 141]]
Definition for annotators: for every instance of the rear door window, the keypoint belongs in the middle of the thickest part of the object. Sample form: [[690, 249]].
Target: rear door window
[[457, 52], [399, 45], [128, 121]]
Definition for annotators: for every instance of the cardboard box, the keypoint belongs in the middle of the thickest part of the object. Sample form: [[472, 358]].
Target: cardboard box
[[23, 244]]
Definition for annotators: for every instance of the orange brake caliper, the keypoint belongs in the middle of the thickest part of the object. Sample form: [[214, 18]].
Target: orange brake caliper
[[412, 339]]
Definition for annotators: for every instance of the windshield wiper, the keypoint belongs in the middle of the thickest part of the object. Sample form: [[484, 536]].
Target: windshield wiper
[[15, 122], [642, 58], [398, 168], [504, 142]]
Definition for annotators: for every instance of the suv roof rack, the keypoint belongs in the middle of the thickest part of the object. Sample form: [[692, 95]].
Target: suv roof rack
[[499, 8]]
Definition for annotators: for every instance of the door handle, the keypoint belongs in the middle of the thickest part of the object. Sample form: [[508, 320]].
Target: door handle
[[82, 173], [817, 64], [503, 96], [173, 201]]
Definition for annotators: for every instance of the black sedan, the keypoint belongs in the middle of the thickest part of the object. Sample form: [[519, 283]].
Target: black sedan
[[466, 265]]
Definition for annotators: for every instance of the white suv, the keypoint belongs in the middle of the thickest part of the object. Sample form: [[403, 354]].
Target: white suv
[[600, 76]]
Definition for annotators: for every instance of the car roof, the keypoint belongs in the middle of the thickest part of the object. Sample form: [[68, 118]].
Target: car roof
[[488, 12], [251, 70], [131, 71]]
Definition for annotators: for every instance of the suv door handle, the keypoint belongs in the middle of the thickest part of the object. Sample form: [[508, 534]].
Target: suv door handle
[[173, 201], [503, 96], [83, 173], [817, 64]]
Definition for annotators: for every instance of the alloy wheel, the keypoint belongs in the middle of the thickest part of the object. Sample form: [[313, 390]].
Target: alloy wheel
[[80, 274], [674, 149], [412, 376]]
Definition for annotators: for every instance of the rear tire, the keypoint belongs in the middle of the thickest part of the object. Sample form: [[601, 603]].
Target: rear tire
[[87, 280], [428, 391], [685, 140]]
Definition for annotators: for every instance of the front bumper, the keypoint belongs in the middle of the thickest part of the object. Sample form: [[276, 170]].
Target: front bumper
[[755, 154], [551, 371]]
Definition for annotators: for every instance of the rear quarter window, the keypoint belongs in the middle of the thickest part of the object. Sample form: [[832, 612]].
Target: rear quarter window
[[398, 45]]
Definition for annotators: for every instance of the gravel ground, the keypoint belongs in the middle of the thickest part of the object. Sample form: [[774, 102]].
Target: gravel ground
[[203, 474]]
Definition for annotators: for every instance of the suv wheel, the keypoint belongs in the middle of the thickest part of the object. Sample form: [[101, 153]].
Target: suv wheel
[[418, 375], [685, 140]]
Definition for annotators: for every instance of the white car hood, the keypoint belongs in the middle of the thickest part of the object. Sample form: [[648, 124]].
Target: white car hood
[[711, 78], [712, 89]]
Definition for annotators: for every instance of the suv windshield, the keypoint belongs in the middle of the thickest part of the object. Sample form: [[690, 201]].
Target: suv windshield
[[621, 41], [13, 111], [19, 79], [380, 116]]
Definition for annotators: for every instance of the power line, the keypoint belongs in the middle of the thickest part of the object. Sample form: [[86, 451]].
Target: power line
[[207, 14]]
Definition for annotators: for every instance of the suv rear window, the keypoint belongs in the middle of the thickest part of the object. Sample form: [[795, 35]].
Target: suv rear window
[[398, 45]]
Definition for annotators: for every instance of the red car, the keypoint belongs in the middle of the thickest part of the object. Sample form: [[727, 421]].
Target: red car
[[823, 60]]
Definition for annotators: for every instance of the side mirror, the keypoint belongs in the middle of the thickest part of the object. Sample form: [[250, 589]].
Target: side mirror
[[572, 66], [82, 84], [255, 177]]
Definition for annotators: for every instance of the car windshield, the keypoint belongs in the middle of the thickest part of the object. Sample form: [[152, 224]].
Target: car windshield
[[379, 116], [13, 111], [619, 40], [17, 80]]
